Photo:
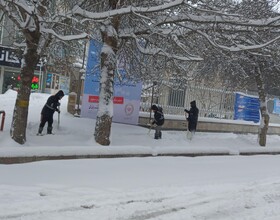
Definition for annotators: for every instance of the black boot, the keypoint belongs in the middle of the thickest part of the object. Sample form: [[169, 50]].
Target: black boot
[[159, 136], [40, 130], [156, 136], [49, 130]]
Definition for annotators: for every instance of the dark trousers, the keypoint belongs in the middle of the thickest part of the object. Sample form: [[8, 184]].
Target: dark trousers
[[45, 119], [158, 132]]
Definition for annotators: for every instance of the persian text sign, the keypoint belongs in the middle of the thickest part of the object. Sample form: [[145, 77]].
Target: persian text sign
[[95, 99], [276, 106], [246, 108]]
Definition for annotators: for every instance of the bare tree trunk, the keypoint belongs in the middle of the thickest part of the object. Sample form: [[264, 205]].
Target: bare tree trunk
[[20, 114], [108, 68], [104, 115], [263, 108]]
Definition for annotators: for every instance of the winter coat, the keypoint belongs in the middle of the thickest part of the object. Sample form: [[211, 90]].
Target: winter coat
[[52, 105], [193, 116], [158, 115]]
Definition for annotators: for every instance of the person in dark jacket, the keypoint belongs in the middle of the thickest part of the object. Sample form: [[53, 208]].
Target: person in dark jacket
[[158, 121], [192, 118], [48, 110]]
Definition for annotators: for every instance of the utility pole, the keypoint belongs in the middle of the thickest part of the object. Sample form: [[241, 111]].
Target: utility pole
[[152, 99], [81, 72]]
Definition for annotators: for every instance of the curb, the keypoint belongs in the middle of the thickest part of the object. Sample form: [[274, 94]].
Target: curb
[[28, 159]]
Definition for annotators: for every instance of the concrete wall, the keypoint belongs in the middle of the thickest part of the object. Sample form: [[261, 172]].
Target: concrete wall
[[211, 125]]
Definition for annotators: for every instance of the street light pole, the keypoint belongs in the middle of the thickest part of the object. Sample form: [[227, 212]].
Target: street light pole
[[152, 99], [81, 72], [42, 63], [41, 78]]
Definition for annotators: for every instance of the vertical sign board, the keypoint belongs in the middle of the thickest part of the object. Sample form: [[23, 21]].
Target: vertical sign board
[[91, 84], [246, 108], [126, 94], [276, 106], [126, 101], [49, 80], [64, 84]]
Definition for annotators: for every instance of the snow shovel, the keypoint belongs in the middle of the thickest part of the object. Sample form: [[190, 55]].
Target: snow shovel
[[58, 118], [189, 135], [150, 128]]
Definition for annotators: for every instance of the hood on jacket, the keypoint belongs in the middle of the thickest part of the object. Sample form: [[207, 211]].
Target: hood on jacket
[[59, 94], [154, 107], [193, 104]]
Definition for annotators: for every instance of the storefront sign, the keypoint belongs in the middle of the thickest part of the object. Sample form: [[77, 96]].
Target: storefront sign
[[9, 57]]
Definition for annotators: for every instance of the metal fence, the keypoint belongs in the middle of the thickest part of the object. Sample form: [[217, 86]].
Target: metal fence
[[212, 103]]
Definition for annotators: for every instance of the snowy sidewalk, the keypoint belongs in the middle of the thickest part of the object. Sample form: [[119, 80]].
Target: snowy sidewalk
[[10, 155], [74, 139]]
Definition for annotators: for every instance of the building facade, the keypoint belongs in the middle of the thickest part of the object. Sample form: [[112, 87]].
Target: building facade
[[44, 80], [10, 65]]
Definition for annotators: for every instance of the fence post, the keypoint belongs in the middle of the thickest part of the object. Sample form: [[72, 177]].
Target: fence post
[[2, 120]]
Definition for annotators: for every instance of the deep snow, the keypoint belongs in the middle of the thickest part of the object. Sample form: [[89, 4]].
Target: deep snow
[[165, 188]]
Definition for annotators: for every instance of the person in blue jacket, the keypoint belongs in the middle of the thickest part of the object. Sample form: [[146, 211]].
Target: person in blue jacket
[[48, 110]]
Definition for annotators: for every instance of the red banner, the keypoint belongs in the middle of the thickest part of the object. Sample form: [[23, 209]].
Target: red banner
[[116, 100], [93, 98]]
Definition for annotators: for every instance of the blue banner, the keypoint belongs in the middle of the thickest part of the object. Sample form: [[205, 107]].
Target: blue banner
[[246, 108], [276, 106], [127, 94], [92, 78]]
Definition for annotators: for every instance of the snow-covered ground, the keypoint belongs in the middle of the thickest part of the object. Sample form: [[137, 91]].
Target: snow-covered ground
[[165, 188]]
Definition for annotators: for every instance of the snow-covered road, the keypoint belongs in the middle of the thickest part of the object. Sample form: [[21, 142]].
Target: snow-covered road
[[166, 188], [255, 201]]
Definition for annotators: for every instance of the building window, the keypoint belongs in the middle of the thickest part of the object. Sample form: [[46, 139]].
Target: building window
[[10, 80]]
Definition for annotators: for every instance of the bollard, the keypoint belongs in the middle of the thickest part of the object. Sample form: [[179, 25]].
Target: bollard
[[2, 120], [72, 98]]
